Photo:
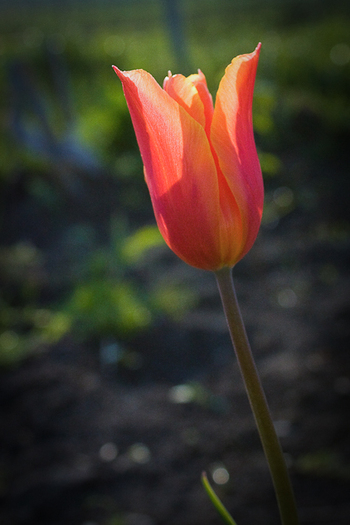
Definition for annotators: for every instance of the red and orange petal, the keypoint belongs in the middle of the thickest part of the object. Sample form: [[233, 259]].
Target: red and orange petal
[[193, 95], [180, 170], [233, 140]]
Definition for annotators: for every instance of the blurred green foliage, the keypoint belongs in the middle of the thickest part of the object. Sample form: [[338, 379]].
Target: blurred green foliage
[[65, 130], [323, 462]]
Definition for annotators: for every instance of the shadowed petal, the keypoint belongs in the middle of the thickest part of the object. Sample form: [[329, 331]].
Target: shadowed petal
[[233, 140]]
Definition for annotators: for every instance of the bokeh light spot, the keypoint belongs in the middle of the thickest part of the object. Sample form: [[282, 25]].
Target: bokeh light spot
[[108, 452], [139, 453], [220, 475]]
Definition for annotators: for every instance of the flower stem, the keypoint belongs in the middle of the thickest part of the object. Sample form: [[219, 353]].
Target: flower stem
[[257, 399]]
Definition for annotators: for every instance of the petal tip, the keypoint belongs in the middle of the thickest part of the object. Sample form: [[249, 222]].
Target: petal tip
[[117, 72], [256, 51]]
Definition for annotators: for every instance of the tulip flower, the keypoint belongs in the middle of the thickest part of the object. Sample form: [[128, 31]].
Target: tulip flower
[[205, 182], [201, 164]]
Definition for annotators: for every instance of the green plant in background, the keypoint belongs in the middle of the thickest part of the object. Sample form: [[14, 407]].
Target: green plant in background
[[26, 326], [114, 292], [111, 299]]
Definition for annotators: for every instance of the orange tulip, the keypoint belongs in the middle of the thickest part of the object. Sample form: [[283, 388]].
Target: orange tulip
[[201, 164]]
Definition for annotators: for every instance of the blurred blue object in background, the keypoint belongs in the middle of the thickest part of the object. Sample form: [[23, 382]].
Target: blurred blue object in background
[[175, 23], [50, 134]]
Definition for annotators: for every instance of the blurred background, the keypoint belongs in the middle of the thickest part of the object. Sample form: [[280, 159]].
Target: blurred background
[[118, 383]]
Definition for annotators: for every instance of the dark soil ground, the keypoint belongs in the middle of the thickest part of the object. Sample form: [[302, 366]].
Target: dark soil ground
[[85, 442]]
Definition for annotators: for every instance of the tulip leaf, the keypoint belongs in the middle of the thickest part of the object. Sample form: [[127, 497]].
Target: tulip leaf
[[226, 516]]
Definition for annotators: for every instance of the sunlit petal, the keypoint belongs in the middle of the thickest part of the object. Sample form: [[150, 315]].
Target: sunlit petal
[[233, 140]]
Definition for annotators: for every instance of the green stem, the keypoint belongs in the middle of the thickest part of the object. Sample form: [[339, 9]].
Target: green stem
[[257, 399]]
